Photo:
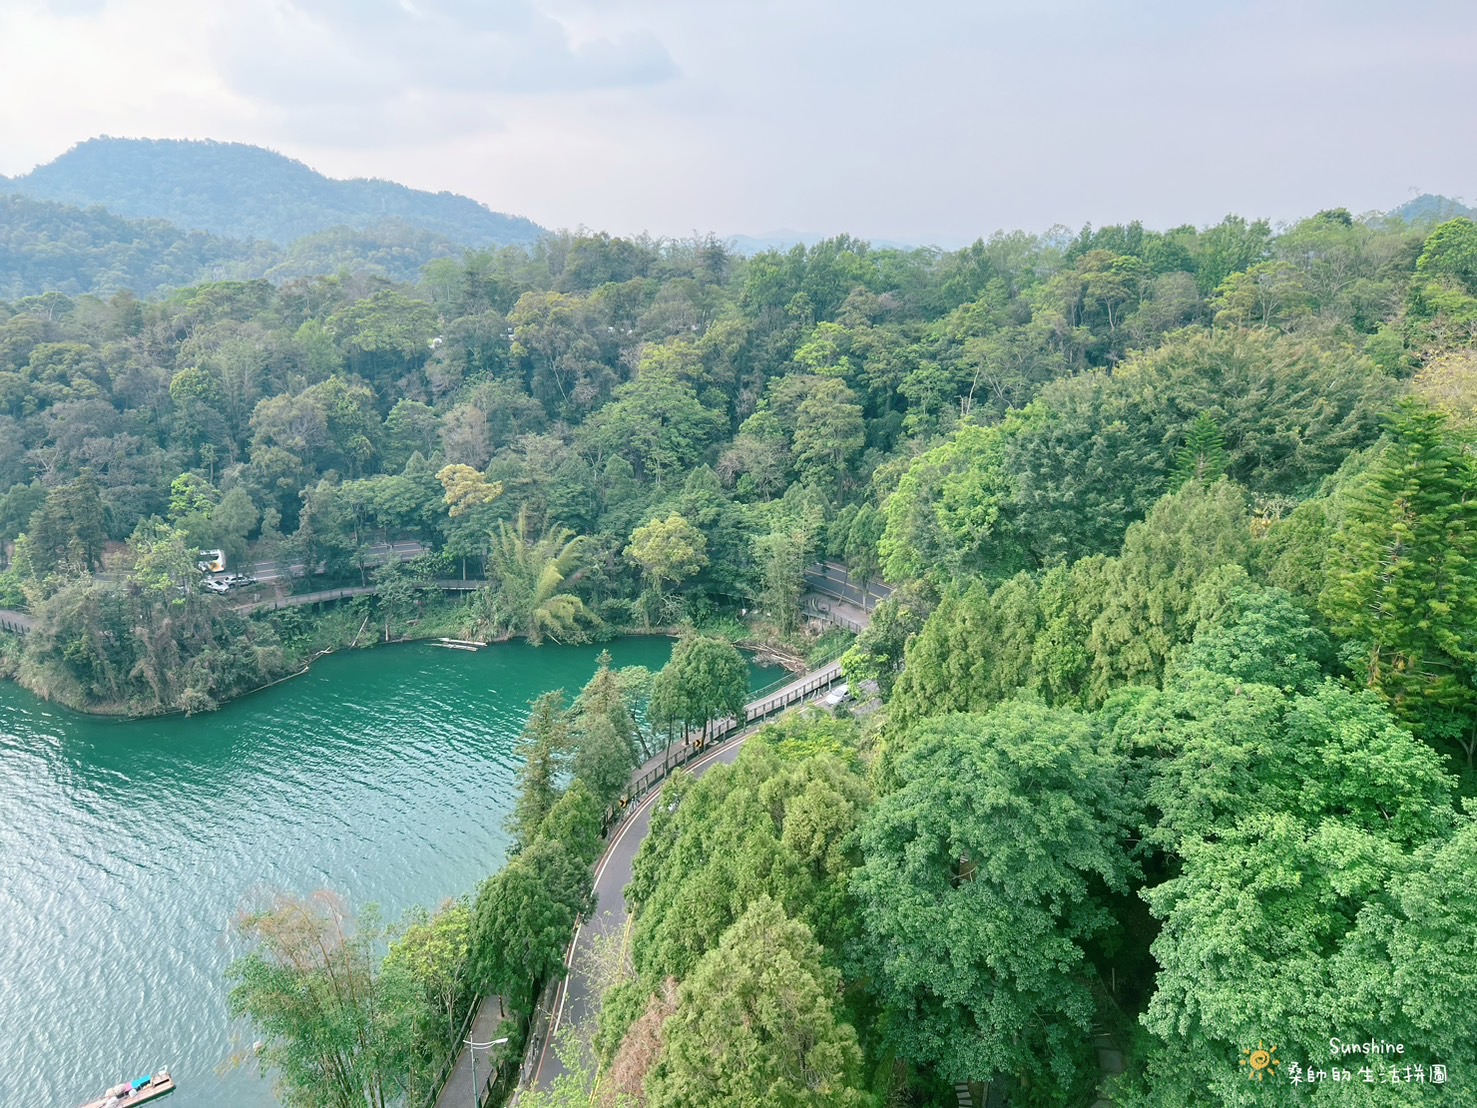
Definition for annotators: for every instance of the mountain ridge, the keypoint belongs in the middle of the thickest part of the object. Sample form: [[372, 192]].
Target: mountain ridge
[[47, 246], [1429, 208], [235, 190]]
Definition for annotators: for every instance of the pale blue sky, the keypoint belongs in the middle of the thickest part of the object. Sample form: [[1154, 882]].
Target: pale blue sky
[[936, 121]]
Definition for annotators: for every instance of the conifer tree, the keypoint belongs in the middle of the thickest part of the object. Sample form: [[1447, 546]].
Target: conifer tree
[[544, 739], [1402, 577], [757, 1024], [1203, 457]]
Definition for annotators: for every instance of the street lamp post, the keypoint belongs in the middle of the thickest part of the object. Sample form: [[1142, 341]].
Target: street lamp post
[[474, 1048]]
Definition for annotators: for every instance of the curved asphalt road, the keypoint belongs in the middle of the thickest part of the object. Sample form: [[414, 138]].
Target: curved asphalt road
[[572, 1001]]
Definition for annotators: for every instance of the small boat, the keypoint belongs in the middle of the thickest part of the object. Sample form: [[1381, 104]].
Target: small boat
[[140, 1090]]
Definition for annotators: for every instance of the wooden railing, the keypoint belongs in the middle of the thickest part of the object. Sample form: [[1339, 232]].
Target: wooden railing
[[15, 623]]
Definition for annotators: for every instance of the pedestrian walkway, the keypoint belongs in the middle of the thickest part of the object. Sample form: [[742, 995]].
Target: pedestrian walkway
[[463, 1089], [17, 623], [574, 998]]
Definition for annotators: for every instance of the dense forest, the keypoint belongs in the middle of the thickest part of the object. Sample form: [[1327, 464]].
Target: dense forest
[[1173, 724], [52, 248], [238, 191], [46, 247], [231, 212]]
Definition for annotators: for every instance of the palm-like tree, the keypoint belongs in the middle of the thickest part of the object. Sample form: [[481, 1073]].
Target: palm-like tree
[[532, 572]]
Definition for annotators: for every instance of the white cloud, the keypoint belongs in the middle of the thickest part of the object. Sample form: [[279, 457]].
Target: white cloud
[[335, 72], [931, 122], [67, 74]]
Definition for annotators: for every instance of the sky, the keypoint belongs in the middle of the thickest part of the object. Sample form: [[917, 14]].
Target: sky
[[929, 122]]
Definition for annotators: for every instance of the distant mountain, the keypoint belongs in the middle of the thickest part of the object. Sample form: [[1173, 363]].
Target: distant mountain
[[50, 247], [47, 247], [1427, 210], [392, 249], [244, 192]]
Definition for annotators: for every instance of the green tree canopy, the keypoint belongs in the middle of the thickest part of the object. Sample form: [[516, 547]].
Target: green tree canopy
[[532, 571], [337, 1030], [757, 1024], [706, 679], [985, 874], [522, 919], [762, 827], [540, 749], [1402, 578], [667, 550], [1289, 914], [1151, 585], [951, 510]]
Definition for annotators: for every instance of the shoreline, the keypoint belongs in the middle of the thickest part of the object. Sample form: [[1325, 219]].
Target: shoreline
[[761, 652]]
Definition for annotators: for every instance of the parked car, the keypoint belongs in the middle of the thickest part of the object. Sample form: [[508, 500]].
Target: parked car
[[239, 580], [215, 586], [837, 696]]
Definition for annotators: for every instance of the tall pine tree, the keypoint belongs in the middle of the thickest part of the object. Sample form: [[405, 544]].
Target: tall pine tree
[[1402, 577], [544, 741], [1203, 457]]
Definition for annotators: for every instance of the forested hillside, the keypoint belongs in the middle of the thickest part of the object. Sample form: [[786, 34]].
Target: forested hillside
[[243, 192], [54, 248], [1174, 694], [1426, 210], [47, 247], [978, 413]]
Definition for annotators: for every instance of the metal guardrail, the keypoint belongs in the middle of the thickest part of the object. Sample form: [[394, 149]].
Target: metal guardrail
[[538, 1026], [833, 580], [818, 610], [789, 678]]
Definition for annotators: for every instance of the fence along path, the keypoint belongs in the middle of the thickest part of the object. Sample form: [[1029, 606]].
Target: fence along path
[[17, 623], [569, 1000], [757, 711], [324, 596]]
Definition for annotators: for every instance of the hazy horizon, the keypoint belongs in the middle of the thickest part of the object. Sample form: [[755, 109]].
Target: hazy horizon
[[765, 119]]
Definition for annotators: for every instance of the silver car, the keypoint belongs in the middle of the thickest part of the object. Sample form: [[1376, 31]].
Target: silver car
[[837, 696]]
